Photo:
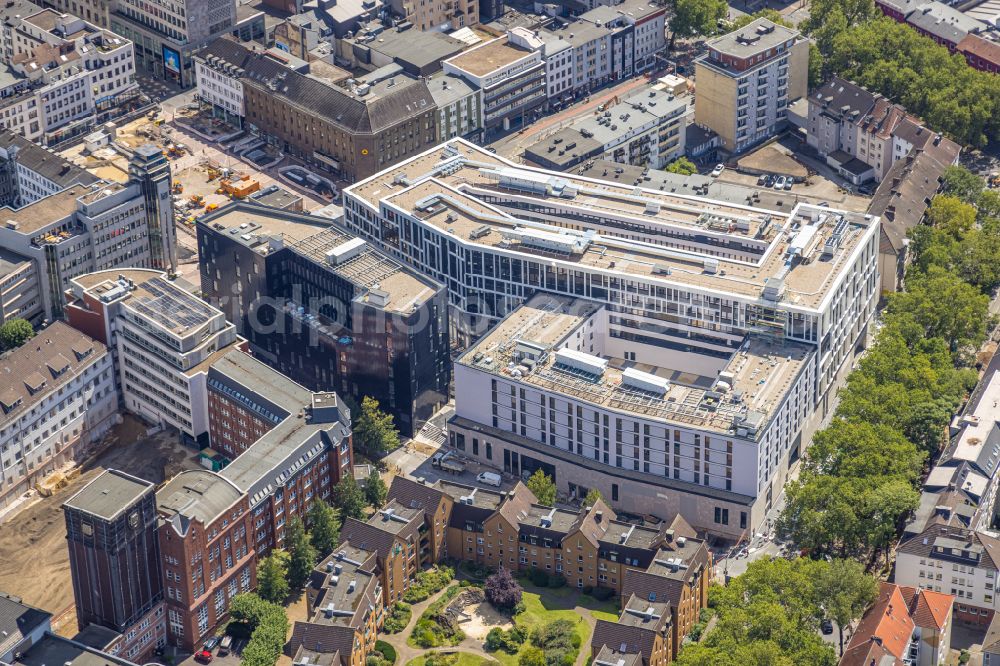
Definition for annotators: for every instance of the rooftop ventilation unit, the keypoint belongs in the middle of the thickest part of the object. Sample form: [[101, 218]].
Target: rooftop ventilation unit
[[577, 360], [564, 242], [345, 251], [645, 381]]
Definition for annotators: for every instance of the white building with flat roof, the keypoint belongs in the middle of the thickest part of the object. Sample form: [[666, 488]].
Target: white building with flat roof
[[686, 284], [164, 338]]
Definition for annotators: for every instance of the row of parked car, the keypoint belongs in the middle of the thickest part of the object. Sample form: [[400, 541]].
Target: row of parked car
[[204, 656], [777, 182]]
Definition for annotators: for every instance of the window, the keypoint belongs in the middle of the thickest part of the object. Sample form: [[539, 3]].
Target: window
[[614, 492]]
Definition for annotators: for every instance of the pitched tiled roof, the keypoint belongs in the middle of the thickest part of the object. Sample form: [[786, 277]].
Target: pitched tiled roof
[[922, 544], [888, 621], [931, 609], [414, 494]]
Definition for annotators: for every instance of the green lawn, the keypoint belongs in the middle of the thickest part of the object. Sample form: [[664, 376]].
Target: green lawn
[[545, 605], [461, 659]]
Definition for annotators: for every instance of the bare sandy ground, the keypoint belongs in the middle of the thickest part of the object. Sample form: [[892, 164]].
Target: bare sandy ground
[[483, 617], [34, 563]]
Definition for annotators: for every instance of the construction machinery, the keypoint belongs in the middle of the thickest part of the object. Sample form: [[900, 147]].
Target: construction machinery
[[176, 188], [197, 200], [239, 189]]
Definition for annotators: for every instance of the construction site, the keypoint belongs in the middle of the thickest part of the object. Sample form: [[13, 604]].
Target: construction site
[[33, 540]]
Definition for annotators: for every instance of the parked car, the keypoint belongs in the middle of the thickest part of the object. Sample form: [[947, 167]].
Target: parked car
[[779, 184], [490, 479], [211, 643], [203, 657], [769, 181], [762, 179], [717, 171], [826, 626], [225, 646], [788, 183]]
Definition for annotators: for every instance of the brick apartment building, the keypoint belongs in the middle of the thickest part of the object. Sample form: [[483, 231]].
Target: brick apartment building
[[211, 526], [590, 548], [660, 574], [345, 598]]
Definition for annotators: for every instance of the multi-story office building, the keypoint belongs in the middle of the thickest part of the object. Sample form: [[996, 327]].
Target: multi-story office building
[[68, 223], [510, 73], [73, 76], [746, 81], [57, 397], [164, 338], [699, 297], [167, 35], [149, 170], [351, 131], [114, 558], [19, 294], [313, 452], [444, 16], [29, 172], [327, 309]]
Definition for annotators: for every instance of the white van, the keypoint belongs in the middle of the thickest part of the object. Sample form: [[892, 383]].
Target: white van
[[490, 479]]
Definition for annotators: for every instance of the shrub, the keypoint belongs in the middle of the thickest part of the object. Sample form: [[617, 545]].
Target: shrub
[[539, 578], [602, 593], [558, 641], [532, 656], [557, 581], [428, 583], [387, 651], [502, 591], [509, 641], [397, 619]]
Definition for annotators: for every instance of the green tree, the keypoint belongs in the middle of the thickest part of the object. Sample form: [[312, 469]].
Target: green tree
[[816, 73], [962, 183], [324, 526], [767, 616], [696, 17], [301, 554], [771, 15], [272, 577], [682, 166], [15, 333], [349, 498], [593, 497], [375, 490], [844, 591], [940, 304], [375, 430], [543, 487], [531, 656]]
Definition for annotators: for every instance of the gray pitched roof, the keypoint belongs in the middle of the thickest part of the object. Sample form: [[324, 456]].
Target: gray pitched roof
[[17, 621]]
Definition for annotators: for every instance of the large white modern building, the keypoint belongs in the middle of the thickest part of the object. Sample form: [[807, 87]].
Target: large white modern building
[[57, 396], [751, 318], [164, 341]]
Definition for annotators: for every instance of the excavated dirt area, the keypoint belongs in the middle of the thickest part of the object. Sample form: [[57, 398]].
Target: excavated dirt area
[[33, 541]]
